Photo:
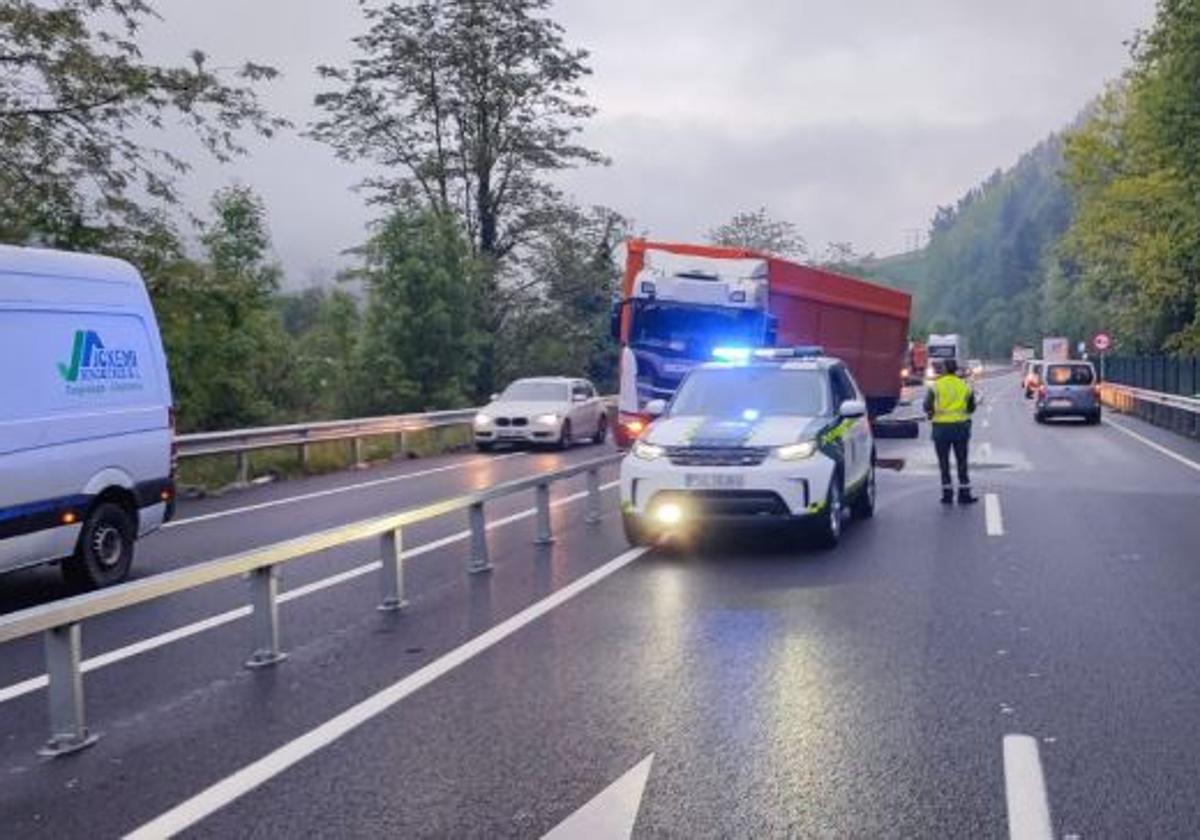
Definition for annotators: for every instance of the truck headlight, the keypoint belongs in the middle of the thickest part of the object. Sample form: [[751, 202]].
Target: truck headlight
[[546, 419], [796, 451], [647, 451], [482, 420]]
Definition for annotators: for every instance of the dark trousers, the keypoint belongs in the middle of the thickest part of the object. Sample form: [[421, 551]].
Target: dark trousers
[[952, 437]]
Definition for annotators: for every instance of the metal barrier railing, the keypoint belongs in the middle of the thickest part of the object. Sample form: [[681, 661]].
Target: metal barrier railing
[[1170, 411], [241, 442], [60, 622]]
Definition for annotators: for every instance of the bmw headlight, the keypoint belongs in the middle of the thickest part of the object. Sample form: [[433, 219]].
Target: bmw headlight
[[546, 419], [796, 451], [648, 451], [482, 419]]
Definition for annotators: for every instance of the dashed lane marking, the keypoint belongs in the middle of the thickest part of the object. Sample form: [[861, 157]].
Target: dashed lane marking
[[1025, 790], [237, 785], [1157, 447], [20, 689], [992, 516], [333, 491]]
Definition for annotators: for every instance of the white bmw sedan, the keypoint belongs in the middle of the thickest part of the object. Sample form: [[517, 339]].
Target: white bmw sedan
[[553, 411]]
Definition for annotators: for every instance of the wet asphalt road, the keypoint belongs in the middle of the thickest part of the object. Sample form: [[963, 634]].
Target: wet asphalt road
[[775, 690]]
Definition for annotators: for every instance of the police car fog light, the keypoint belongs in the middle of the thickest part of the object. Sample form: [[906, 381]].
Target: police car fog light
[[668, 513], [796, 451]]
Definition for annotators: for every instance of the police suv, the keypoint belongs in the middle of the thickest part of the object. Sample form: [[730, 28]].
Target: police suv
[[777, 435]]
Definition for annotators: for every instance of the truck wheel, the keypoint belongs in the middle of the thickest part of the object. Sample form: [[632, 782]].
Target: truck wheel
[[564, 438], [636, 533], [601, 430], [863, 505], [104, 552], [828, 529]]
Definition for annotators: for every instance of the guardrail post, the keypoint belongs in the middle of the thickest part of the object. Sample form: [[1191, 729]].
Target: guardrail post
[[305, 455], [264, 591], [593, 495], [391, 554], [68, 732], [358, 453], [401, 445], [542, 495], [243, 468], [479, 561]]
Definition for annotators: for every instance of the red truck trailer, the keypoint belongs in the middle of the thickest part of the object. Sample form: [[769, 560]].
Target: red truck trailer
[[680, 302]]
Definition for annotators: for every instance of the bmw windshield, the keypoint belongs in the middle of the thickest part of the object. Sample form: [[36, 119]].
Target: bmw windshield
[[748, 393]]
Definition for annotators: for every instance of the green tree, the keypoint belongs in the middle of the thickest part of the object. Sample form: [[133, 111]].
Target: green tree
[[422, 329], [757, 230], [79, 108]]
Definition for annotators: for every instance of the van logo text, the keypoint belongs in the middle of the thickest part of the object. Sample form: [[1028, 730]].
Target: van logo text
[[91, 361]]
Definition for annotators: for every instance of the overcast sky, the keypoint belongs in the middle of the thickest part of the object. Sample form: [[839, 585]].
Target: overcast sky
[[852, 118]]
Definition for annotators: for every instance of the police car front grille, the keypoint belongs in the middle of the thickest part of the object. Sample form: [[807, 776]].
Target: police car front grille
[[710, 456]]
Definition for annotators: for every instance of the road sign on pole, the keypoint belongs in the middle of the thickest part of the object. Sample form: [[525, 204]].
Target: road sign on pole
[[1102, 342]]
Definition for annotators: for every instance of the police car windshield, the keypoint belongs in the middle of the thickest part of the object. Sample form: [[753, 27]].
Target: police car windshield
[[752, 392], [535, 392]]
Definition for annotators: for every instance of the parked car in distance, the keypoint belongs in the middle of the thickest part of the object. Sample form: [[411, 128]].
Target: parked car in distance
[[86, 420], [555, 411], [1031, 377], [1068, 389]]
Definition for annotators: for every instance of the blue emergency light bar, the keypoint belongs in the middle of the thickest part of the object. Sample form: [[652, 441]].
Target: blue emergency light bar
[[732, 354], [741, 355]]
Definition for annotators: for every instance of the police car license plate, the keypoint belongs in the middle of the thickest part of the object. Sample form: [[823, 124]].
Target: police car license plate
[[714, 481]]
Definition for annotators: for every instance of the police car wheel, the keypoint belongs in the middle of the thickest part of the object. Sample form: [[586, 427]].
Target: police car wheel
[[828, 529], [104, 552], [864, 503], [636, 533]]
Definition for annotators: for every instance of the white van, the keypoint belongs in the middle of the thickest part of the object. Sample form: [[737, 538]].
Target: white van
[[86, 418]]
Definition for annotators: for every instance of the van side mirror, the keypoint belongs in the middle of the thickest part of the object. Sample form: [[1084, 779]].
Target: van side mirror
[[852, 408], [655, 408]]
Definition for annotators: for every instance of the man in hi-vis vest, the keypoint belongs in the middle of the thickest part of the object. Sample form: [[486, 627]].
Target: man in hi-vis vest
[[949, 403]]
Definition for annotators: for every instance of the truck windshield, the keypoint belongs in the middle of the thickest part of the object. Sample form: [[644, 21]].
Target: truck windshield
[[751, 392], [693, 331], [942, 351]]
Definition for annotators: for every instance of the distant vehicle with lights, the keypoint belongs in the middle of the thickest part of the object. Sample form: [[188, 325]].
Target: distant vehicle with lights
[[679, 302], [769, 436], [551, 411], [943, 348]]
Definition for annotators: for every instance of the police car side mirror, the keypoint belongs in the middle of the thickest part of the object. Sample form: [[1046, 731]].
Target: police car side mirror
[[655, 408], [852, 408]]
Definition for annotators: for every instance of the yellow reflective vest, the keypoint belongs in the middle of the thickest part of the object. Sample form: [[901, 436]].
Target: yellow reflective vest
[[951, 399]]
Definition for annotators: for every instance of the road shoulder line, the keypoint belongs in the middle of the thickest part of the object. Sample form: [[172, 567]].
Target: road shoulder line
[[1025, 790], [1157, 447]]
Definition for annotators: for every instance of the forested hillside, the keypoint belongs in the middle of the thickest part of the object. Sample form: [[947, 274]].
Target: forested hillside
[[1095, 228]]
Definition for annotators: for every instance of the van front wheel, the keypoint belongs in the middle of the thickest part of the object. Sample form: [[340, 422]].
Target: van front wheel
[[104, 552]]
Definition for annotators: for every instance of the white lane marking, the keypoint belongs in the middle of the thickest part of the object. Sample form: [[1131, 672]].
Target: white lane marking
[[19, 689], [333, 491], [1025, 790], [992, 515], [985, 450], [610, 814], [986, 423], [1187, 462], [237, 785]]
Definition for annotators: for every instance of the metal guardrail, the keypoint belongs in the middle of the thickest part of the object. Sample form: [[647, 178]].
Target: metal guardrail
[[241, 442], [1170, 411], [60, 622]]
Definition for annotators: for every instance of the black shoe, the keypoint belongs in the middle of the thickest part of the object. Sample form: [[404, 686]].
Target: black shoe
[[965, 498], [947, 497]]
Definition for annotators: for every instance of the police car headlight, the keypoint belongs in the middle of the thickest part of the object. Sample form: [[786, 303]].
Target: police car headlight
[[546, 419], [796, 451], [648, 451], [482, 420]]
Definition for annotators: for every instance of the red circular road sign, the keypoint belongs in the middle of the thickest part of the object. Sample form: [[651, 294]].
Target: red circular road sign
[[1102, 342]]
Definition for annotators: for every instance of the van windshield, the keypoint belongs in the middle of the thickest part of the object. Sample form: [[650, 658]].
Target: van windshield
[[1070, 375]]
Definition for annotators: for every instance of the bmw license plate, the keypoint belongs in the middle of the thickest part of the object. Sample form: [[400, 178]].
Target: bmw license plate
[[714, 481], [509, 434]]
